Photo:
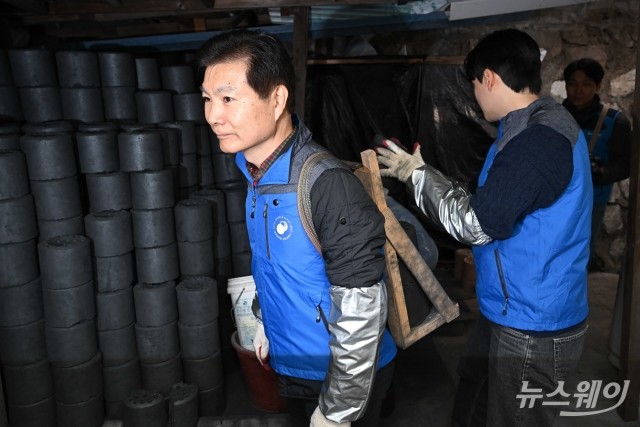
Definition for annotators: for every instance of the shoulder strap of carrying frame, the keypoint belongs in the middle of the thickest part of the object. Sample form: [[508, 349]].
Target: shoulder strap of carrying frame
[[596, 130], [304, 197]]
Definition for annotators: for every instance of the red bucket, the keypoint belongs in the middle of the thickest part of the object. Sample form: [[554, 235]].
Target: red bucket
[[261, 383]]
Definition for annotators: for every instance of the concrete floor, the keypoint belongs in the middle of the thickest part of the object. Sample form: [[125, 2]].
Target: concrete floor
[[595, 364], [425, 379]]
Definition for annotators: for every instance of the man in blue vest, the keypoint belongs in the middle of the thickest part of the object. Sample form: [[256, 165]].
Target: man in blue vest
[[528, 223], [610, 150], [323, 313]]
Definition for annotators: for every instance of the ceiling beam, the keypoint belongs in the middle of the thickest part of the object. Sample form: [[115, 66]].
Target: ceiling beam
[[171, 7], [115, 16], [74, 10], [318, 30]]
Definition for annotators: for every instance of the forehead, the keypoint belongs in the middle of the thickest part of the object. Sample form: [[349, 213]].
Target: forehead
[[580, 76], [225, 74]]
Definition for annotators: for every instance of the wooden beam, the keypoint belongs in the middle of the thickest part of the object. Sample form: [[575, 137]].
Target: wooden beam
[[29, 20], [299, 54], [241, 4], [441, 60], [103, 31], [3, 408], [630, 338], [35, 6], [171, 7]]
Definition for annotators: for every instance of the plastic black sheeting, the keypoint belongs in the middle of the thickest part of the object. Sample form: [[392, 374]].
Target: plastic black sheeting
[[347, 105], [433, 104], [451, 128]]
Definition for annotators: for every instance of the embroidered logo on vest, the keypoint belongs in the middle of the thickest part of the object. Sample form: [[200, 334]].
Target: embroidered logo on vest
[[282, 228]]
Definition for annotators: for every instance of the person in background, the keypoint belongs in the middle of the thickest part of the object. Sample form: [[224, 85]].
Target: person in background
[[324, 313], [610, 148], [530, 255]]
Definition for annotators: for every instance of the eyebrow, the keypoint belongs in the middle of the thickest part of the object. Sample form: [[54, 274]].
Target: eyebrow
[[220, 89], [588, 79]]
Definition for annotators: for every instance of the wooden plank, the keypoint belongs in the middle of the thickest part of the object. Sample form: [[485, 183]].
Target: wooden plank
[[398, 243], [405, 248], [171, 7], [124, 6], [131, 30], [128, 16], [415, 263], [199, 24], [104, 31], [3, 408], [110, 30], [212, 20], [398, 316], [630, 339], [444, 60], [30, 20]]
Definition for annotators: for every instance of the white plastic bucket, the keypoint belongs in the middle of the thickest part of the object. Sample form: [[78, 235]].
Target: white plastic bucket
[[242, 291]]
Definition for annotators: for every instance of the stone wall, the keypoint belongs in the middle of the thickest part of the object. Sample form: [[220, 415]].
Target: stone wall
[[604, 30]]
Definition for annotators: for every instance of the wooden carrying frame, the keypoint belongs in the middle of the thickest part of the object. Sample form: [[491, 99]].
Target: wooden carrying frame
[[398, 244]]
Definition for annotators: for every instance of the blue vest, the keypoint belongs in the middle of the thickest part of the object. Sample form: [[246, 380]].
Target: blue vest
[[289, 272], [537, 278], [602, 193]]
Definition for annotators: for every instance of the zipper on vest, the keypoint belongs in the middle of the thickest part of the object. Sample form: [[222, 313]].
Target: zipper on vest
[[503, 282], [266, 229], [320, 316], [253, 202]]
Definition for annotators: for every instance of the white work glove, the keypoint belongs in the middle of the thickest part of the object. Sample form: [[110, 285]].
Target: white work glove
[[261, 344], [319, 420], [400, 164]]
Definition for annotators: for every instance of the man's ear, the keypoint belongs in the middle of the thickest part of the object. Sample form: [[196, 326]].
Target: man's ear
[[280, 97], [488, 78]]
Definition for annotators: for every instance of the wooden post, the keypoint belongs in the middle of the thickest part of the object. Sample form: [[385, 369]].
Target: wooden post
[[3, 408], [630, 338], [299, 54]]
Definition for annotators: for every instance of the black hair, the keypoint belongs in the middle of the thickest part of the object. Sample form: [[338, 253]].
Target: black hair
[[512, 54], [589, 66], [268, 61]]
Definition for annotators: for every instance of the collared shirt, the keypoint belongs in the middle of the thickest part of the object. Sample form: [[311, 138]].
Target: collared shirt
[[258, 172]]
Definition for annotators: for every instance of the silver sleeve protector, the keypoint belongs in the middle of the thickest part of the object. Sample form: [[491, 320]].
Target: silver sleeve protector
[[448, 203], [357, 320]]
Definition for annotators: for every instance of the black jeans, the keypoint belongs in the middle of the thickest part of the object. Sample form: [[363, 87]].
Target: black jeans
[[301, 409], [497, 360]]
